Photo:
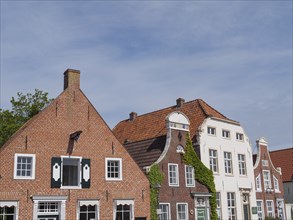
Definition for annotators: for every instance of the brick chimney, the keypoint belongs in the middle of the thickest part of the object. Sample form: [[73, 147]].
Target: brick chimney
[[72, 79], [132, 116], [179, 102]]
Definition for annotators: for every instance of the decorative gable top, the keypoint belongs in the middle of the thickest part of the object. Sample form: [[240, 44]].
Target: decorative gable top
[[152, 125]]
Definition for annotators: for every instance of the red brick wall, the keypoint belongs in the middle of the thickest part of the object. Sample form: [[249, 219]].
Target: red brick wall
[[181, 194], [47, 136]]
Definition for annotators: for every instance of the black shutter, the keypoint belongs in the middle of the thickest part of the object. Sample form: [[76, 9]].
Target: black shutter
[[86, 174], [56, 174]]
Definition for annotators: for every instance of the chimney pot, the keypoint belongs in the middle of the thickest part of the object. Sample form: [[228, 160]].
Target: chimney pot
[[132, 116], [72, 79], [180, 102]]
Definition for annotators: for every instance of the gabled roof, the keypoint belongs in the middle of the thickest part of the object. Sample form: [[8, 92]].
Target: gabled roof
[[284, 159], [153, 124]]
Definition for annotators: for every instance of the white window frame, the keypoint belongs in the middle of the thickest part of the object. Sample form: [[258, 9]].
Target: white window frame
[[186, 210], [187, 176], [219, 206], [232, 207], [242, 164], [168, 211], [272, 211], [260, 211], [282, 208], [258, 183], [276, 184], [226, 134], [123, 202], [239, 136], [79, 172], [211, 131], [10, 204], [176, 173], [87, 203], [265, 181], [33, 167], [120, 178], [213, 159], [228, 163]]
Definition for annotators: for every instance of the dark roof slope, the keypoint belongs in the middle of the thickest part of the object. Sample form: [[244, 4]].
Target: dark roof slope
[[284, 159], [153, 124]]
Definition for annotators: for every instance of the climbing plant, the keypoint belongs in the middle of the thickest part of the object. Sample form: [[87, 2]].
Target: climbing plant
[[155, 177], [202, 174]]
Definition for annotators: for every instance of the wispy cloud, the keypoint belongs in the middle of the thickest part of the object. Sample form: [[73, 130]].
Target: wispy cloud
[[141, 56]]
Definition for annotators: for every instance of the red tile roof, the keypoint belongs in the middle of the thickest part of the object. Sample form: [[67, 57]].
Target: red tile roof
[[284, 159], [153, 124]]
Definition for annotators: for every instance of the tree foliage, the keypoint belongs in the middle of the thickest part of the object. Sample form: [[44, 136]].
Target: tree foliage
[[24, 107]]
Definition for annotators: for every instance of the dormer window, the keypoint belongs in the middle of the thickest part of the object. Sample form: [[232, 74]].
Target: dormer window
[[177, 121]]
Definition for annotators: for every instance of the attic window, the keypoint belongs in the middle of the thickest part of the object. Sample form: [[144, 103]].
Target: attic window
[[178, 121]]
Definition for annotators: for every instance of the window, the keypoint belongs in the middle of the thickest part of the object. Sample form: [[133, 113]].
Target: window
[[165, 211], [182, 213], [225, 134], [239, 137], [242, 164], [258, 183], [24, 166], [276, 184], [270, 208], [189, 176], [280, 208], [88, 210], [113, 169], [213, 160], [48, 207], [173, 174], [267, 179], [218, 200], [70, 172], [265, 163], [231, 206], [212, 131], [259, 210], [123, 209], [8, 210], [228, 163]]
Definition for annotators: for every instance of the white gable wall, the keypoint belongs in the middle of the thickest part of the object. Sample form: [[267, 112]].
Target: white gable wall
[[224, 182]]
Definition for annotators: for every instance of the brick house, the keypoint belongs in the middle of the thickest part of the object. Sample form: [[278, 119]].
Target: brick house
[[147, 137], [268, 184], [284, 159], [65, 163]]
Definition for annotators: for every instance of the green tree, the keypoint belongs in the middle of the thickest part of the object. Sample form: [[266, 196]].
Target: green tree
[[24, 107]]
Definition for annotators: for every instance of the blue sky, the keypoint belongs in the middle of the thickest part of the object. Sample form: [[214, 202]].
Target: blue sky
[[142, 55]]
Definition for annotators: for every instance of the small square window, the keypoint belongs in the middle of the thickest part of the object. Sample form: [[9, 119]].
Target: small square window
[[24, 166], [239, 137], [212, 131], [113, 169], [225, 134]]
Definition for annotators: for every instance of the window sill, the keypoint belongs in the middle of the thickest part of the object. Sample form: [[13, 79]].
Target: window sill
[[23, 178], [70, 187], [229, 175], [113, 180]]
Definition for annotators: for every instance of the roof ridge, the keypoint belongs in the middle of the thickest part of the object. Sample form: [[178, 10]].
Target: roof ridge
[[281, 149], [200, 100]]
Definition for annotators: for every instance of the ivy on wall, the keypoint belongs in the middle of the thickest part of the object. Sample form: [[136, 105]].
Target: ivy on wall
[[155, 177], [202, 174]]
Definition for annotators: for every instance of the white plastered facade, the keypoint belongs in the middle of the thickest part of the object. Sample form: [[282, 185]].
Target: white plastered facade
[[236, 183]]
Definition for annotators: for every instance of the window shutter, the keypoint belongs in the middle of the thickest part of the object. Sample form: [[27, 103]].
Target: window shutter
[[56, 172], [86, 174]]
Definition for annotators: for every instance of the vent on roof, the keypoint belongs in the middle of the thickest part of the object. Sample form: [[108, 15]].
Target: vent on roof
[[179, 102], [132, 116]]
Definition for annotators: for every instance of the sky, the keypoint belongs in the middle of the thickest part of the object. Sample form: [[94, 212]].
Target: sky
[[142, 55]]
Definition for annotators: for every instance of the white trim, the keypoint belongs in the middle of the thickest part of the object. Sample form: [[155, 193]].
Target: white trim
[[277, 189], [10, 204], [192, 176], [79, 186], [169, 208], [177, 174], [258, 178], [129, 202], [33, 168], [186, 210], [269, 179], [262, 208], [120, 169], [273, 208], [87, 203]]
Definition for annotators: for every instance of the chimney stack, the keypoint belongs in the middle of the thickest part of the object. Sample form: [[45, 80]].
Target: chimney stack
[[180, 102], [72, 79], [132, 116]]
